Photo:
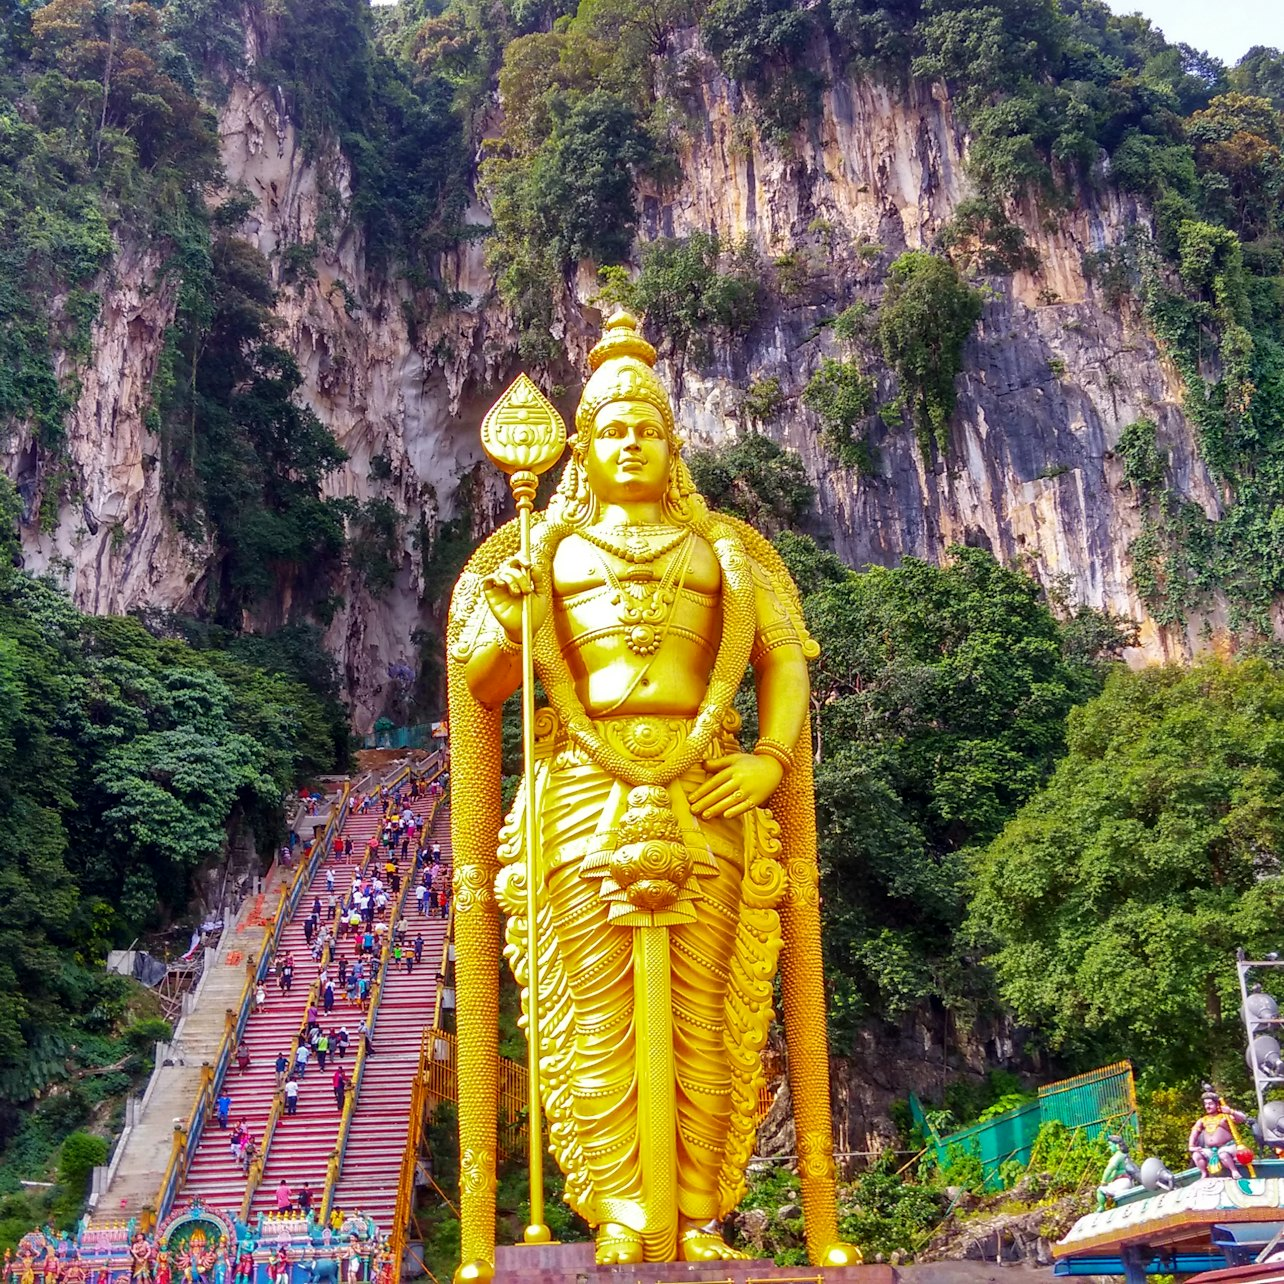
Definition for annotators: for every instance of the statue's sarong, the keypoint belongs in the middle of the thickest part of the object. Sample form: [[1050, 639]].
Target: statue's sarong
[[621, 865]]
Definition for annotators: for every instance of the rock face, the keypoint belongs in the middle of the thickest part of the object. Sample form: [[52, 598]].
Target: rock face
[[1051, 377]]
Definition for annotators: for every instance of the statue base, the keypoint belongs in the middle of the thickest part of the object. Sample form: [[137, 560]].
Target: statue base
[[574, 1264]]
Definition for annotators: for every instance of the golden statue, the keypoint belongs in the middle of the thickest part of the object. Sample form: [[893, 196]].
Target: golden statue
[[664, 890]]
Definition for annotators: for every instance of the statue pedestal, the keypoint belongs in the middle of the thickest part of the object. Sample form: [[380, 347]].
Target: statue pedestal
[[573, 1264]]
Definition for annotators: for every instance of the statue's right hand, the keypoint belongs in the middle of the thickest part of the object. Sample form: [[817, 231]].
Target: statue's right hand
[[505, 590]]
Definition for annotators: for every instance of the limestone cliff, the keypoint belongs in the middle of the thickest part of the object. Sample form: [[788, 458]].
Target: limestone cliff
[[1052, 376]]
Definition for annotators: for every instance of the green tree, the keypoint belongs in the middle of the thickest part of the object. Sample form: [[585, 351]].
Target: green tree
[[81, 1153], [243, 459], [927, 315], [125, 758], [755, 479], [1111, 906], [842, 395], [939, 706], [693, 292], [1260, 72]]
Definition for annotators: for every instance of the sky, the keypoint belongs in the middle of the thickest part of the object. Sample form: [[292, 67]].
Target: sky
[[1228, 29]]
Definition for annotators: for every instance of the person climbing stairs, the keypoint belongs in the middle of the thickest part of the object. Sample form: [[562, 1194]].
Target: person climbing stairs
[[371, 1162]]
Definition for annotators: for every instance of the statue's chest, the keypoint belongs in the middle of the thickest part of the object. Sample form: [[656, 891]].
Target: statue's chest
[[599, 599]]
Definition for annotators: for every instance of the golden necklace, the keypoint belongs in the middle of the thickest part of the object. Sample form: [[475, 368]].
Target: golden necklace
[[715, 713], [631, 543], [645, 613]]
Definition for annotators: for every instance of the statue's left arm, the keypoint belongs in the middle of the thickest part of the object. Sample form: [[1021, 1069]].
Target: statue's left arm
[[780, 673], [742, 781]]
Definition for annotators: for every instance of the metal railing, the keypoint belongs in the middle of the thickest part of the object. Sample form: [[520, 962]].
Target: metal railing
[[187, 1137], [335, 1167]]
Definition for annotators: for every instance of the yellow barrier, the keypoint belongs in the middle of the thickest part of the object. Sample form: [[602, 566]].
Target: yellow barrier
[[418, 1116]]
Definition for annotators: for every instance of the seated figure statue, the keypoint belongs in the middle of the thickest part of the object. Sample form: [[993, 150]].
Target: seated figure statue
[[1212, 1137]]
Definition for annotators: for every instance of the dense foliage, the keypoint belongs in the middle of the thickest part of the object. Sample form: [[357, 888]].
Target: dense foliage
[[756, 480], [927, 314], [99, 129], [125, 760], [243, 460], [1112, 904], [939, 707]]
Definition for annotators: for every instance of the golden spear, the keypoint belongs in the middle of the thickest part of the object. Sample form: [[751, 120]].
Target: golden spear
[[524, 436]]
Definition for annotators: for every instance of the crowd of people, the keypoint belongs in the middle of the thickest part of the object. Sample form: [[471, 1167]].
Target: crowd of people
[[350, 933]]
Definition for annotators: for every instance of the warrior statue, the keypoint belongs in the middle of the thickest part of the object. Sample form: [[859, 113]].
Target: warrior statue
[[666, 889]]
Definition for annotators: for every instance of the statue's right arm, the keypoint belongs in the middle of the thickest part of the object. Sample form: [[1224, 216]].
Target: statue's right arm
[[494, 668], [494, 665]]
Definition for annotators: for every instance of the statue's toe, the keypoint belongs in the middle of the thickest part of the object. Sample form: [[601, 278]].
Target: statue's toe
[[706, 1246], [618, 1246]]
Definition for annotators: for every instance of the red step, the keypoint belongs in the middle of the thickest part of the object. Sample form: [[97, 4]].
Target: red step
[[377, 1137], [303, 1142]]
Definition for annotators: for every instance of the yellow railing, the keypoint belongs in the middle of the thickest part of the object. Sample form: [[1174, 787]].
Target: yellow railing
[[254, 1176], [406, 1181], [444, 963], [418, 1115], [441, 1083], [335, 1167]]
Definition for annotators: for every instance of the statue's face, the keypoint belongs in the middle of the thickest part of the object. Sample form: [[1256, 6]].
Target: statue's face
[[628, 457]]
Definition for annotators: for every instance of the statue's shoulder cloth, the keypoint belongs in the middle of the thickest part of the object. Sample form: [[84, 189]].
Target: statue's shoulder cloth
[[769, 571]]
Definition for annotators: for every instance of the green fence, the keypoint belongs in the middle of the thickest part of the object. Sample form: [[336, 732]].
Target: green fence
[[416, 737], [1103, 1100]]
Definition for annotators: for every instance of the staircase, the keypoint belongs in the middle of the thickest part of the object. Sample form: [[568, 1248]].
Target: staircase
[[214, 1176], [303, 1142], [377, 1137]]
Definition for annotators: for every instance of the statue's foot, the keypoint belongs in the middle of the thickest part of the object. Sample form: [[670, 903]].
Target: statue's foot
[[617, 1245], [704, 1244], [841, 1255]]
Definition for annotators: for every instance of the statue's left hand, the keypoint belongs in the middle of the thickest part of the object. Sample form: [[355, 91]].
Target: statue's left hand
[[741, 781]]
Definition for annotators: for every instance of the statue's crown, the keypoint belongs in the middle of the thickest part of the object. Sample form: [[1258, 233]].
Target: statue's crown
[[621, 338], [622, 362]]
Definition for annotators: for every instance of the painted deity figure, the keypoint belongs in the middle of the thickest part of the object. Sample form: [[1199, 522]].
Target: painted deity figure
[[1212, 1137], [140, 1259], [668, 887], [1120, 1174]]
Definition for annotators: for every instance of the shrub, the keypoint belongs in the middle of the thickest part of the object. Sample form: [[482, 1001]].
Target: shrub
[[142, 1035], [755, 479], [927, 315], [763, 400], [841, 395], [981, 235], [1143, 461], [694, 290], [81, 1153]]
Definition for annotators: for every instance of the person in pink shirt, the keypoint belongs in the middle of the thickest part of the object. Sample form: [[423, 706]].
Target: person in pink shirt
[[284, 1197]]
